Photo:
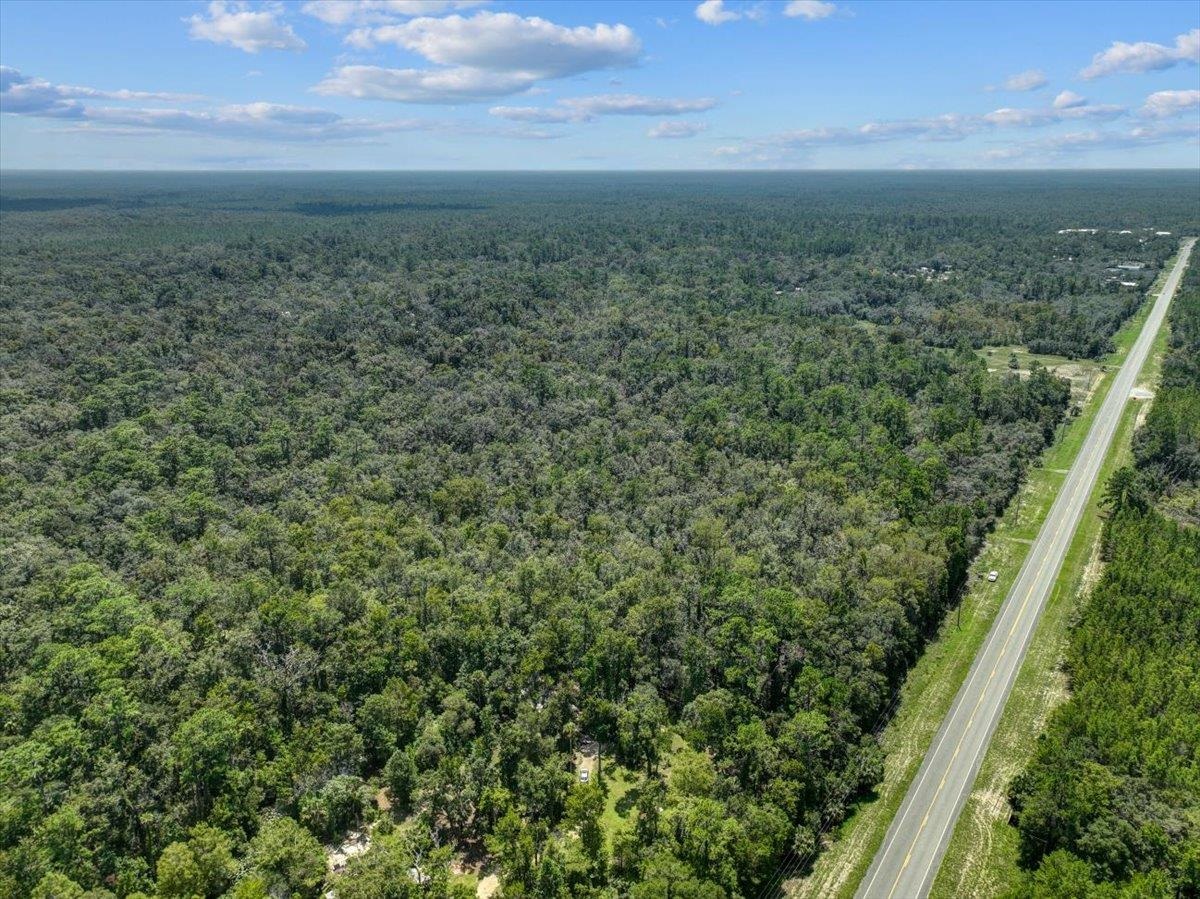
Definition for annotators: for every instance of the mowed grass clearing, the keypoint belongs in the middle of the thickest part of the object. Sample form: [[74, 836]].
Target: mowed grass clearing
[[621, 789], [1082, 373]]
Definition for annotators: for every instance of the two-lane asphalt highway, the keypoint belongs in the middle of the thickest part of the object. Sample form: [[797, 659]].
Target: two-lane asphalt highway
[[907, 862]]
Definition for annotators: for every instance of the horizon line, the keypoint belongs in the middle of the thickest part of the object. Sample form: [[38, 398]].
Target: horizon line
[[581, 171]]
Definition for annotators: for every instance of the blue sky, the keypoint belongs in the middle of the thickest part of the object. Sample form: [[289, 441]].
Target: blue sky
[[439, 84]]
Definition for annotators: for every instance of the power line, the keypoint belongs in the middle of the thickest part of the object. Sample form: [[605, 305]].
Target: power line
[[791, 863]]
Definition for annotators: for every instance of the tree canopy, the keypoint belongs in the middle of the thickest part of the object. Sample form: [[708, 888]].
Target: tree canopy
[[345, 505]]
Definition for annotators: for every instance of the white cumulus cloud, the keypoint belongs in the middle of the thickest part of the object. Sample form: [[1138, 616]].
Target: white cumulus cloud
[[361, 12], [481, 57], [713, 12], [26, 95], [258, 121], [1163, 104], [234, 23], [1068, 100], [1073, 108], [1144, 56], [1029, 80], [459, 84], [506, 42], [809, 9]]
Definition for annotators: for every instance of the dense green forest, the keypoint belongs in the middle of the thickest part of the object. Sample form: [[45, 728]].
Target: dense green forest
[[1110, 805], [970, 258], [331, 504]]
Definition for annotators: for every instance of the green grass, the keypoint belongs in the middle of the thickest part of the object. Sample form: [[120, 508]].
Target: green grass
[[1152, 370], [933, 682], [1082, 373], [617, 815], [621, 786], [469, 880], [929, 691]]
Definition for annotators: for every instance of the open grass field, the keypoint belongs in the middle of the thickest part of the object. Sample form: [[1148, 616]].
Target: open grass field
[[1082, 373], [618, 803]]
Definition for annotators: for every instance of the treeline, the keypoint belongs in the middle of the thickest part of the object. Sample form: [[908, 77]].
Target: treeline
[[311, 523], [1167, 446], [955, 259], [1110, 805]]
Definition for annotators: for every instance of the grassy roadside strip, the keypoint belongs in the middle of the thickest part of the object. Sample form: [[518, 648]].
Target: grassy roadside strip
[[933, 682], [981, 859]]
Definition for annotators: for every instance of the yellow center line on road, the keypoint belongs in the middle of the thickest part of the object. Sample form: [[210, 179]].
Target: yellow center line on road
[[1082, 466], [982, 694], [1074, 494], [1146, 338]]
